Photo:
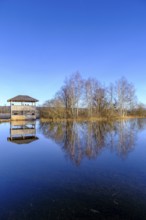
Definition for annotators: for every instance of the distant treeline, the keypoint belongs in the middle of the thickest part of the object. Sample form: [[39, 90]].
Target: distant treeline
[[7, 110], [4, 109], [80, 98]]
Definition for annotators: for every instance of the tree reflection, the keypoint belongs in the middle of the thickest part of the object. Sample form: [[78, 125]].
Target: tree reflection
[[125, 137], [88, 139]]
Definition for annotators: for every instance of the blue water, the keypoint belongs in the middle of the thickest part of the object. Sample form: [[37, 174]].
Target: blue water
[[74, 171]]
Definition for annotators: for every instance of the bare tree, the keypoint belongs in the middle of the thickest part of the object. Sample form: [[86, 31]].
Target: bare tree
[[65, 96], [100, 99], [53, 109], [77, 86], [90, 86], [125, 96], [97, 100], [111, 99], [95, 97], [71, 93]]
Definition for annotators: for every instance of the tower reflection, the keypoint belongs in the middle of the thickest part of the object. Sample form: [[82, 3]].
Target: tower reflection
[[22, 132]]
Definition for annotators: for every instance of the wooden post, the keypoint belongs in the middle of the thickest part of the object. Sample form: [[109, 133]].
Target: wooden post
[[11, 109]]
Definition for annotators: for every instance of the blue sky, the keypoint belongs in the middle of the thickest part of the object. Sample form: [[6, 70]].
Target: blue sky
[[44, 41]]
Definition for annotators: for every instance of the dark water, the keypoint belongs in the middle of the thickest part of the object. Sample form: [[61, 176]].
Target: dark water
[[73, 171]]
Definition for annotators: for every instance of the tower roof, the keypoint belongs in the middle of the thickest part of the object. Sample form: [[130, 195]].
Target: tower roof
[[22, 98]]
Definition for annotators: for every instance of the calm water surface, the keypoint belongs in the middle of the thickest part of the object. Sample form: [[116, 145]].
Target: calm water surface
[[73, 170]]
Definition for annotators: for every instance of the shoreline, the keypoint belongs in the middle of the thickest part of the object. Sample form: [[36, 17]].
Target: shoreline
[[93, 119], [5, 120]]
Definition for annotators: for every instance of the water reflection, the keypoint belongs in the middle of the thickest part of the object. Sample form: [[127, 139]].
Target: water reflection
[[22, 132], [88, 139], [37, 182]]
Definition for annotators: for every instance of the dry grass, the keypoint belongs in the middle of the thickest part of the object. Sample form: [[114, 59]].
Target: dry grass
[[4, 120], [92, 119]]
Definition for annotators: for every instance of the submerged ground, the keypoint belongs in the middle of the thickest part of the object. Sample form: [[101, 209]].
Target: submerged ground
[[73, 170]]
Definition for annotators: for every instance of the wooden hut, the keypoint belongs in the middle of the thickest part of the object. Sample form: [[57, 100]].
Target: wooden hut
[[23, 107]]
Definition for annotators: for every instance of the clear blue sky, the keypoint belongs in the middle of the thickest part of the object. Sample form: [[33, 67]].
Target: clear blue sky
[[43, 41]]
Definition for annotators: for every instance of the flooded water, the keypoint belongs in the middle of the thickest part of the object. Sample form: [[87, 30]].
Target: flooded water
[[73, 170]]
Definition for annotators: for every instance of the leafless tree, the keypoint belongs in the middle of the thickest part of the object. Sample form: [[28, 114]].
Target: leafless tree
[[90, 86], [125, 96], [111, 99], [77, 83], [78, 97], [53, 109], [100, 99], [65, 95], [70, 94]]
